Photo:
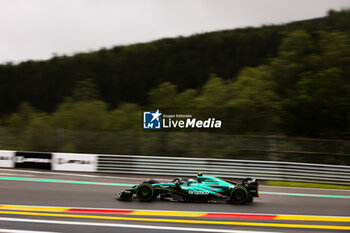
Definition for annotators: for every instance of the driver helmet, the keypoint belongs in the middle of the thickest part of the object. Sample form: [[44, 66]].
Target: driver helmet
[[200, 177]]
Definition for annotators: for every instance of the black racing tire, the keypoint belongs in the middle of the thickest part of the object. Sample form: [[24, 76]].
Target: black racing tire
[[250, 199], [239, 195], [145, 192]]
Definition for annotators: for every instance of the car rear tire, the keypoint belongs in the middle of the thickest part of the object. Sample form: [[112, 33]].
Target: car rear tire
[[239, 195], [250, 199], [145, 192]]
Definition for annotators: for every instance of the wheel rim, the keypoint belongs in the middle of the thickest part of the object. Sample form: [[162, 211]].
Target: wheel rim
[[145, 191], [239, 194]]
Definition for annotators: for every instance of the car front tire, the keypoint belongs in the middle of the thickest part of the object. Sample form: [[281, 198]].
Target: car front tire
[[145, 192]]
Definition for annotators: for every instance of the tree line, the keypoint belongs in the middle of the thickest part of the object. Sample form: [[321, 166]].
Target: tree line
[[291, 79]]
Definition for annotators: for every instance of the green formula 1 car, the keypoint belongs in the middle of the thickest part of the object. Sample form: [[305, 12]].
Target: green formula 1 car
[[202, 189]]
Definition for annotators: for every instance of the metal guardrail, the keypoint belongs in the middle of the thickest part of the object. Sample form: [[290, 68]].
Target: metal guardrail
[[263, 170]]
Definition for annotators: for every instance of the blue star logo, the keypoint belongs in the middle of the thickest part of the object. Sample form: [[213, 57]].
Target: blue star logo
[[151, 120]]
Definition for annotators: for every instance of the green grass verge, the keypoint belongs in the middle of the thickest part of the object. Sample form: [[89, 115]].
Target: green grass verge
[[306, 185]]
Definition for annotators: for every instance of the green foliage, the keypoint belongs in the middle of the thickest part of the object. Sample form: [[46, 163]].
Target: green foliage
[[311, 75], [323, 88], [129, 73], [23, 118], [85, 90], [323, 102], [86, 115], [44, 141], [335, 50], [291, 79], [164, 95], [255, 104], [214, 93], [126, 117]]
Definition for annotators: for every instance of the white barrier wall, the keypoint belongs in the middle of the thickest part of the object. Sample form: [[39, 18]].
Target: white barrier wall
[[7, 158], [177, 166], [228, 168], [74, 162]]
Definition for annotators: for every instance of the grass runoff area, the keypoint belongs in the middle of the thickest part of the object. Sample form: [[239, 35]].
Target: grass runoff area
[[306, 185]]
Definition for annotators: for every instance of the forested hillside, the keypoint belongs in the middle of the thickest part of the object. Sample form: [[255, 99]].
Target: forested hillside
[[291, 79]]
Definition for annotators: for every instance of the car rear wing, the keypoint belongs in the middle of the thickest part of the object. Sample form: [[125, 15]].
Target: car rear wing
[[252, 185]]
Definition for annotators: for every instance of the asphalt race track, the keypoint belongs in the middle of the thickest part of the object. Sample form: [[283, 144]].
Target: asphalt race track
[[35, 201]]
